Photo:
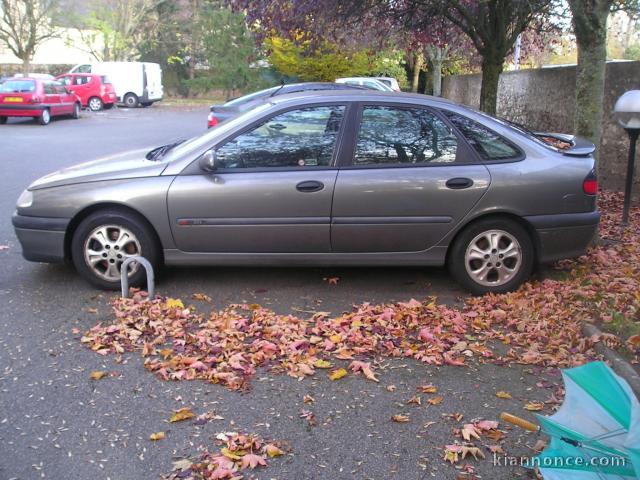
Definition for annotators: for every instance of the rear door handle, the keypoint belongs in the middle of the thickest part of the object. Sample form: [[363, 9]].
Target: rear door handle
[[310, 186], [459, 183]]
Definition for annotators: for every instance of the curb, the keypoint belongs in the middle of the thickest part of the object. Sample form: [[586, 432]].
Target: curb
[[617, 363]]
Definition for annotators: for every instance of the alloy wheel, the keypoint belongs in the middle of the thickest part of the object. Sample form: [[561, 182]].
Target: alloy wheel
[[493, 258], [106, 247]]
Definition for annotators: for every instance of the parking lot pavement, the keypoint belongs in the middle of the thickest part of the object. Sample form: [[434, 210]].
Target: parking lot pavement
[[57, 423]]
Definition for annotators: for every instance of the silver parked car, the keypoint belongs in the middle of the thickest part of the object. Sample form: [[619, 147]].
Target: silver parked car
[[326, 178]]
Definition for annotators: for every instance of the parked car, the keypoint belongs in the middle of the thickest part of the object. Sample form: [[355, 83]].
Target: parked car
[[40, 99], [390, 82], [234, 107], [366, 82], [135, 83], [95, 91], [343, 178]]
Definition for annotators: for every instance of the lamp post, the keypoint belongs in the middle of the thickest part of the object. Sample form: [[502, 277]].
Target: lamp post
[[627, 112]]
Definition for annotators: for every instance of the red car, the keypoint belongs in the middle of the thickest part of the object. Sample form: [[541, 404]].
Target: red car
[[37, 98], [95, 91]]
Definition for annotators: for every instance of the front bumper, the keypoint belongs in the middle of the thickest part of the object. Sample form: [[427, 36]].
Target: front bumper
[[566, 235], [41, 238]]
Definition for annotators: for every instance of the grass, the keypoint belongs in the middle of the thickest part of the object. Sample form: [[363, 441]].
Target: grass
[[185, 102]]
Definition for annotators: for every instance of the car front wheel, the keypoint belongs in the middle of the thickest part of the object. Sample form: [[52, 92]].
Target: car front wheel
[[76, 111], [107, 238], [492, 256]]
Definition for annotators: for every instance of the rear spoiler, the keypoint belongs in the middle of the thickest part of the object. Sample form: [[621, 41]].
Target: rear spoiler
[[573, 146]]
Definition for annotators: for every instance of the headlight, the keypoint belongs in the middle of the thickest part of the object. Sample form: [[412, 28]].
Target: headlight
[[25, 200]]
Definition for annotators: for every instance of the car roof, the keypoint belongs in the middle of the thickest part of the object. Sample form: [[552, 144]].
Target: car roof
[[361, 95]]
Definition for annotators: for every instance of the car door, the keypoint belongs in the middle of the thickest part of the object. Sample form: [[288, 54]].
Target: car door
[[271, 191], [410, 180], [82, 87], [52, 98]]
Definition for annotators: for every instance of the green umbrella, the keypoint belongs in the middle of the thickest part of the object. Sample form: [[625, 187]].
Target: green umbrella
[[596, 432]]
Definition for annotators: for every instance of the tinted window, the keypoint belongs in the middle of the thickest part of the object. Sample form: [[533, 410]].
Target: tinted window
[[66, 80], [393, 135], [105, 80], [487, 143], [18, 86], [81, 80], [48, 88], [299, 138]]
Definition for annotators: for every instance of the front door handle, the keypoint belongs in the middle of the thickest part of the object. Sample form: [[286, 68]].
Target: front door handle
[[310, 186], [459, 183]]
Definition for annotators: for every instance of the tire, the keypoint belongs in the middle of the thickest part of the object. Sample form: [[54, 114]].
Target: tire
[[504, 267], [95, 104], [98, 233], [76, 111], [45, 117], [108, 106], [3, 120], [146, 104], [130, 100]]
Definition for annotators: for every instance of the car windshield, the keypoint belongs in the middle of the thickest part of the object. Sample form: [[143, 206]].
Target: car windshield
[[252, 96], [199, 141], [18, 86]]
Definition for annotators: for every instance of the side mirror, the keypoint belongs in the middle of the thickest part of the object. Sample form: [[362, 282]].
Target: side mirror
[[208, 161]]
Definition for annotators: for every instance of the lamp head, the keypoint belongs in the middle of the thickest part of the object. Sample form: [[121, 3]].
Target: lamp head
[[627, 110]]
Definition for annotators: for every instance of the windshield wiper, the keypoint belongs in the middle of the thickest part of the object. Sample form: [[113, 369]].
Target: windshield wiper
[[159, 152]]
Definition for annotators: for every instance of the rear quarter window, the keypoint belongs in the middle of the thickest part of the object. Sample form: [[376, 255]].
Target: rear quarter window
[[487, 143]]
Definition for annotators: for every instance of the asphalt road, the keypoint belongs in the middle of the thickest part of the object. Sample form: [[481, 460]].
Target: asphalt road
[[56, 423]]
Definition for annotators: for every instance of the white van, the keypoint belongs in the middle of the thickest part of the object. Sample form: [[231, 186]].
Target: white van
[[136, 83]]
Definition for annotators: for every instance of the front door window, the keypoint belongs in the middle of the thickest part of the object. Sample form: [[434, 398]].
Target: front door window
[[295, 139]]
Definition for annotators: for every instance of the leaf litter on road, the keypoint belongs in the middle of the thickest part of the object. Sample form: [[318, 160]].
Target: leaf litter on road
[[540, 324]]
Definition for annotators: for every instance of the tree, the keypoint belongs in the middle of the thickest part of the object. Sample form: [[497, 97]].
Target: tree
[[589, 19], [25, 25], [232, 60], [116, 25], [491, 26]]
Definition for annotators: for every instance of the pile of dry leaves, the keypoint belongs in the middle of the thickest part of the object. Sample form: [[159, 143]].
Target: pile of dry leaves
[[238, 452]]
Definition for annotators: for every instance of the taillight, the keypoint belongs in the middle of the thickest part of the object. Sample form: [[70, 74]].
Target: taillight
[[590, 184], [212, 121]]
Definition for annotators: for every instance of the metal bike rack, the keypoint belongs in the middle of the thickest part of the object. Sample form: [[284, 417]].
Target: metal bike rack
[[124, 278]]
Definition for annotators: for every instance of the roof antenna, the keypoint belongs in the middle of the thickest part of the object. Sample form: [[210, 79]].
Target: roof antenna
[[275, 92]]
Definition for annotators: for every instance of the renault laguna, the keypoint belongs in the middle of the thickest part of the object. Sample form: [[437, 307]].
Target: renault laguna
[[342, 178]]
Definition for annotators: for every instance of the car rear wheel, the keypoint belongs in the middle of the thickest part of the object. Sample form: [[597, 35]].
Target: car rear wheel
[[95, 104], [146, 104], [104, 240], [45, 117], [492, 256], [3, 120], [131, 100], [76, 111]]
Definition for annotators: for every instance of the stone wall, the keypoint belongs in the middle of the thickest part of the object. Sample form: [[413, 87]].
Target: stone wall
[[544, 100]]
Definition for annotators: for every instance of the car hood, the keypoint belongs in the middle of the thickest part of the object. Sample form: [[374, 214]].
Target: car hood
[[132, 164]]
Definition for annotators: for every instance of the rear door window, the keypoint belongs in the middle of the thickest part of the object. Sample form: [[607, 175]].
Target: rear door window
[[487, 143], [409, 136]]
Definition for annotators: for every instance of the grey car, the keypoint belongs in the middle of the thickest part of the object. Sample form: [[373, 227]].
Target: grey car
[[343, 178]]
